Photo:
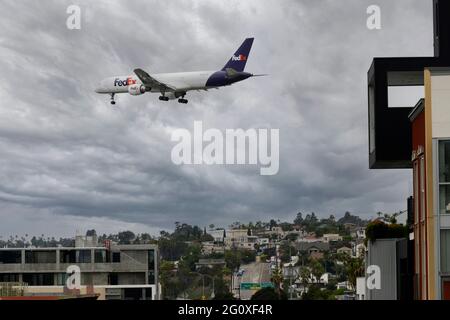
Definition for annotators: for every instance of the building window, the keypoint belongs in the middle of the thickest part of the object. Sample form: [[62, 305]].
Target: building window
[[113, 279], [133, 294], [39, 279], [417, 248], [8, 257], [9, 277], [444, 196], [444, 177], [40, 256], [61, 279], [423, 260], [416, 216], [151, 259], [100, 256], [416, 192], [84, 256], [67, 256], [444, 161], [445, 251], [116, 257], [87, 279], [422, 189], [148, 294]]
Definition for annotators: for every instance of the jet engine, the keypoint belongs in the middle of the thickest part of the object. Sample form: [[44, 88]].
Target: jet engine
[[136, 89]]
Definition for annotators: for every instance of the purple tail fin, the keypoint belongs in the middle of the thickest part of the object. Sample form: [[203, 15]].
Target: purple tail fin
[[239, 58]]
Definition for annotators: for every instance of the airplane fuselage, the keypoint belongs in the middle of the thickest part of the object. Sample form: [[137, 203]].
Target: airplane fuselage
[[176, 85], [182, 81]]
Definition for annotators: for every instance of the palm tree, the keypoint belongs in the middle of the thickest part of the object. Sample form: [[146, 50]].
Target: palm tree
[[277, 280], [305, 277], [354, 268], [303, 256], [317, 270]]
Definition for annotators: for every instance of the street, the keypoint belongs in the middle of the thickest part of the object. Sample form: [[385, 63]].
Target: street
[[256, 272]]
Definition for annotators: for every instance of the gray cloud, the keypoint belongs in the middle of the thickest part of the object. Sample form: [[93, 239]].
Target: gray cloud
[[65, 153]]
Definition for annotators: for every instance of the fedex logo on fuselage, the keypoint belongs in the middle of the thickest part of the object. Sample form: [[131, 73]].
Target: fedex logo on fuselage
[[240, 57], [123, 83]]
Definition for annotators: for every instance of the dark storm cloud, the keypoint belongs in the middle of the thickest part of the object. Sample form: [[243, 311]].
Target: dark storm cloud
[[66, 154]]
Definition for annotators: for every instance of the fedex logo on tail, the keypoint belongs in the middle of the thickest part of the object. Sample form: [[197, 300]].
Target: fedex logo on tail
[[240, 57]]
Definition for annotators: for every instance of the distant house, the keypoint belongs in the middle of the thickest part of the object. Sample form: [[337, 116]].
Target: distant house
[[240, 238], [278, 230], [324, 280], [311, 237], [329, 237], [360, 250], [218, 235], [345, 250], [316, 255], [345, 285], [312, 247], [350, 226], [361, 233], [210, 247], [210, 263]]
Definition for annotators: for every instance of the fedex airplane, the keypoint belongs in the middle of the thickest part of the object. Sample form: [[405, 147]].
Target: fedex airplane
[[176, 85]]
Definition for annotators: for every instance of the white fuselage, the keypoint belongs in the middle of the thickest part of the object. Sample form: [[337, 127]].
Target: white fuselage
[[183, 81]]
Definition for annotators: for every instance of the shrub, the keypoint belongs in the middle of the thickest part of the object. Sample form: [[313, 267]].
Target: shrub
[[379, 230], [269, 294]]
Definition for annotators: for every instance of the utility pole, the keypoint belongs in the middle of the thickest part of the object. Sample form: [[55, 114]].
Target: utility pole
[[290, 272], [203, 287], [213, 294], [213, 279], [239, 288]]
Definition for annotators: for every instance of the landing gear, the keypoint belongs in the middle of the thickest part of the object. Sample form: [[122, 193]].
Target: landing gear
[[164, 98], [182, 99], [112, 99]]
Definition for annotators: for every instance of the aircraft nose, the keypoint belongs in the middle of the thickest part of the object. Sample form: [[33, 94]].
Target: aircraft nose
[[98, 89]]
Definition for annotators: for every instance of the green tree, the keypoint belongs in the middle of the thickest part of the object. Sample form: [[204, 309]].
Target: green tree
[[317, 293], [353, 267], [267, 294], [299, 219], [317, 269], [126, 237], [91, 233], [167, 277], [277, 280], [232, 259]]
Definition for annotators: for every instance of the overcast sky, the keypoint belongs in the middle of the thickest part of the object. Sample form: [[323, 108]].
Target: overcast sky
[[69, 161]]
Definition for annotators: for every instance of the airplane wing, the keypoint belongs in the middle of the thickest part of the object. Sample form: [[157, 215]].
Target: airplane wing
[[151, 82]]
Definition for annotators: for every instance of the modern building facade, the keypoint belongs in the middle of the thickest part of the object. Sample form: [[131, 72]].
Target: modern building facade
[[431, 180], [392, 256], [112, 272], [418, 138]]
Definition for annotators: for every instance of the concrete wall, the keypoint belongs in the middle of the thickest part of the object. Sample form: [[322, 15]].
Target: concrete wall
[[440, 97], [131, 278], [59, 290], [383, 253]]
